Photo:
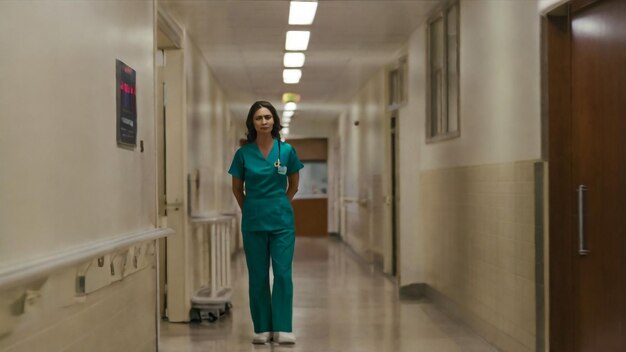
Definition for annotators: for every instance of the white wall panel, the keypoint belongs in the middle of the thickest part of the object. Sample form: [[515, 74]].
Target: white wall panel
[[63, 179]]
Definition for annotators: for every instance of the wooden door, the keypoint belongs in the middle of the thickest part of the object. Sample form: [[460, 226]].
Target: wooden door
[[310, 210], [598, 91]]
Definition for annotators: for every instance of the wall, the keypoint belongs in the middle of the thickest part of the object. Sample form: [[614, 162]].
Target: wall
[[209, 143], [199, 121], [477, 248], [546, 6], [119, 317], [61, 167], [363, 169], [64, 182], [500, 101], [466, 211]]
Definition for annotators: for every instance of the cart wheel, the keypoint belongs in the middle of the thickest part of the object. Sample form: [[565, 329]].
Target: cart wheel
[[212, 317], [194, 315]]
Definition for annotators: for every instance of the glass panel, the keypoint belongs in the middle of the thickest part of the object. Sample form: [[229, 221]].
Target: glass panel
[[436, 69], [313, 181], [453, 72]]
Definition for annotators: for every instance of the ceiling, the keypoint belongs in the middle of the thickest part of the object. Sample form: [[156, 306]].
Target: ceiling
[[243, 42]]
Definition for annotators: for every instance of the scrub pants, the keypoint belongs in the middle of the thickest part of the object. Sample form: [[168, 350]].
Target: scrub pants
[[270, 311]]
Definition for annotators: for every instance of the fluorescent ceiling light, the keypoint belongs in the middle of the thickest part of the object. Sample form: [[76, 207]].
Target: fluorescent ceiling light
[[302, 12], [292, 76], [297, 40], [285, 124], [286, 120], [293, 60], [291, 106], [288, 114]]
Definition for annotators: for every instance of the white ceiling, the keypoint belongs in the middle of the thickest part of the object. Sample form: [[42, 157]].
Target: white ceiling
[[243, 42]]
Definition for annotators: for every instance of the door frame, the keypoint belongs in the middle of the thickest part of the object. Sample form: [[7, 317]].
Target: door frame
[[173, 277], [391, 253], [557, 68]]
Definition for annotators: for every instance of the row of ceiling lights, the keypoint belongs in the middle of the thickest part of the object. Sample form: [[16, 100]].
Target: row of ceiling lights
[[300, 13]]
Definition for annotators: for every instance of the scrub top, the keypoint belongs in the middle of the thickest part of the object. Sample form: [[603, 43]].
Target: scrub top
[[266, 206]]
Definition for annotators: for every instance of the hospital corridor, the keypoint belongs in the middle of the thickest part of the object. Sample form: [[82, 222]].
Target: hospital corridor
[[342, 304], [312, 175]]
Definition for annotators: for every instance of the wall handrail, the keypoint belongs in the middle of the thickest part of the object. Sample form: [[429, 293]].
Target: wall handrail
[[36, 268], [212, 219]]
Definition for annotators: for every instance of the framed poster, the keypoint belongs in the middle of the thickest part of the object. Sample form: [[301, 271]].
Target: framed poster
[[126, 104]]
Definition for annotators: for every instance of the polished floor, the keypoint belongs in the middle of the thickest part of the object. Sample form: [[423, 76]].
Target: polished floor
[[341, 304]]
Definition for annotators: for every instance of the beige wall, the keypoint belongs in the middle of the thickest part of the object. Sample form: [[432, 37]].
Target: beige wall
[[499, 86], [64, 181], [209, 144], [481, 261], [546, 6], [363, 168], [477, 247], [119, 317], [499, 111], [61, 166], [202, 124]]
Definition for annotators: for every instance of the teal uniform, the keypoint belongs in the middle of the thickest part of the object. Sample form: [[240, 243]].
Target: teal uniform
[[268, 232]]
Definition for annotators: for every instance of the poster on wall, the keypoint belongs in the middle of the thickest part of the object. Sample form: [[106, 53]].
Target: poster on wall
[[126, 105]]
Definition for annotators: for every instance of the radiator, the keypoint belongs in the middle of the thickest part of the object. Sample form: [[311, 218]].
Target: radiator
[[211, 253]]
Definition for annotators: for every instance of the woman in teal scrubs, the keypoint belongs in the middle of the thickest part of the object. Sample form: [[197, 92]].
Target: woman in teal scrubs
[[269, 170]]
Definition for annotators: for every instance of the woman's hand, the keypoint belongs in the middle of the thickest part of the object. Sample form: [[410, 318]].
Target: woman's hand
[[292, 188], [238, 191]]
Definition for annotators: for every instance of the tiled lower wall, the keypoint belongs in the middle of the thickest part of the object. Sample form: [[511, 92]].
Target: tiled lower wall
[[477, 248], [119, 317]]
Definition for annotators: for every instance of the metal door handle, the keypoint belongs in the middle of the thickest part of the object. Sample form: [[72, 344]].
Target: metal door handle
[[582, 243]]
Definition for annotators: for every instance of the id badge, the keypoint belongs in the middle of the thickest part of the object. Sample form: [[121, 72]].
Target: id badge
[[282, 170]]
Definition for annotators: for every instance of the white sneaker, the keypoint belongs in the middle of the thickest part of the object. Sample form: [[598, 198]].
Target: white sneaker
[[261, 338], [285, 338]]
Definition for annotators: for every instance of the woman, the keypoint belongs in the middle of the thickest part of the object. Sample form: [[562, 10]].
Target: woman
[[269, 169]]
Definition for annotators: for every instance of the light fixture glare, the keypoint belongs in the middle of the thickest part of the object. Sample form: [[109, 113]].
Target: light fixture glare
[[297, 40], [292, 76], [291, 106], [302, 12], [293, 59]]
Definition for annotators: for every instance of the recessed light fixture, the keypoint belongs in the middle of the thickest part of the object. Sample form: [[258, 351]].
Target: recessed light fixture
[[291, 106], [302, 12], [286, 120], [293, 60], [287, 97], [297, 40], [288, 114], [292, 76]]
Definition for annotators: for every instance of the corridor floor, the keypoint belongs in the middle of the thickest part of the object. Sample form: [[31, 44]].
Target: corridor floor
[[340, 305]]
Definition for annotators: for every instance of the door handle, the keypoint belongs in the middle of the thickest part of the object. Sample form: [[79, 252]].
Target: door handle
[[582, 241]]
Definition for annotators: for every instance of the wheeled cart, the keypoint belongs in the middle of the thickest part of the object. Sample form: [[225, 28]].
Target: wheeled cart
[[211, 252]]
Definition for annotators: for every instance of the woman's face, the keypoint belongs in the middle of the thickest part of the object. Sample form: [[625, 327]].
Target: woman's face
[[263, 121]]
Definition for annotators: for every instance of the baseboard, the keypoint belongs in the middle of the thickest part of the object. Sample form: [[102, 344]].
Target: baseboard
[[412, 291], [486, 330]]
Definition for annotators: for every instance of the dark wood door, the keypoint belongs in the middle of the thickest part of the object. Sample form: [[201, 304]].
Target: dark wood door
[[598, 98]]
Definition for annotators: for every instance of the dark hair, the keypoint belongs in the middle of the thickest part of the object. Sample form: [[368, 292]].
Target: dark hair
[[251, 135]]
